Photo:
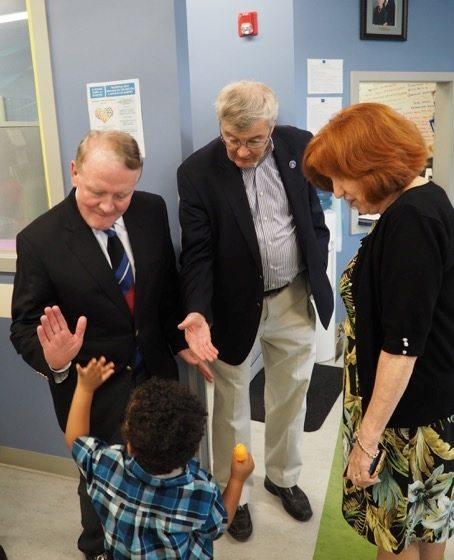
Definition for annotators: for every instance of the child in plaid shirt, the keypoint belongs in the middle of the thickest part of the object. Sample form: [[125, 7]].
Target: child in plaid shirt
[[152, 497]]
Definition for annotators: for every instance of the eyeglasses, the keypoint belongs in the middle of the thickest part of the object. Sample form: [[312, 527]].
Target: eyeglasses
[[252, 144]]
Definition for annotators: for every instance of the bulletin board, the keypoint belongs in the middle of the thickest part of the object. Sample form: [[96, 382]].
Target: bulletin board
[[427, 98]]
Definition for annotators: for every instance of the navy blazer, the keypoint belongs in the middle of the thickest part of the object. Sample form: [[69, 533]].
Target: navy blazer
[[221, 268]]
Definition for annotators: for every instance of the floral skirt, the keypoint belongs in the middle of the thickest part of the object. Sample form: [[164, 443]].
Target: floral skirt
[[414, 502]]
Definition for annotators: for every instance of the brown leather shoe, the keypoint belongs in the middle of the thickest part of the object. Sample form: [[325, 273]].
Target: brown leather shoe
[[294, 500], [241, 526]]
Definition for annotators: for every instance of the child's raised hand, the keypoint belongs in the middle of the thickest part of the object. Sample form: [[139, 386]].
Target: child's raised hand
[[242, 463], [95, 373]]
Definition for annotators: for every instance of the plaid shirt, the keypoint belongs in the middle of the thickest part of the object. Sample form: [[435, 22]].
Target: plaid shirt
[[146, 516]]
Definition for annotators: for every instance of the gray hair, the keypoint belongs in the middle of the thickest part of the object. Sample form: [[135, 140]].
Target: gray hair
[[242, 103], [122, 144]]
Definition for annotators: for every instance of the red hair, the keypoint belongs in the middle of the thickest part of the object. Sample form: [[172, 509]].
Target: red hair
[[369, 143]]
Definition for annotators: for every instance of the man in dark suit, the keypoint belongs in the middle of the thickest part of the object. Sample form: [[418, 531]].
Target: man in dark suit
[[96, 276], [384, 13], [254, 248]]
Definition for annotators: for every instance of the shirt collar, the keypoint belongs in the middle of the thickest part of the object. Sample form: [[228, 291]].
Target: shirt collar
[[185, 476], [269, 150], [119, 225]]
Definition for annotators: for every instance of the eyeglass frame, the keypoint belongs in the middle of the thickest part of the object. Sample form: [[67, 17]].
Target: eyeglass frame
[[239, 143]]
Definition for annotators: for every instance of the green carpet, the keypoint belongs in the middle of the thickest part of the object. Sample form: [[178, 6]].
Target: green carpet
[[336, 539]]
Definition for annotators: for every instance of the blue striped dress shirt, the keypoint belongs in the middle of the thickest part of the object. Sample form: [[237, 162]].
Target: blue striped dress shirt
[[274, 223]]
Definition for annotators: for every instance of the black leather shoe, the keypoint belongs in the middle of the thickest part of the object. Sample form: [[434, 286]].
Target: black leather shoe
[[241, 527], [2, 554], [294, 500]]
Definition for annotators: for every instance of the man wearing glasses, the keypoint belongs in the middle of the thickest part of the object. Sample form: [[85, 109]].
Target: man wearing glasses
[[254, 248]]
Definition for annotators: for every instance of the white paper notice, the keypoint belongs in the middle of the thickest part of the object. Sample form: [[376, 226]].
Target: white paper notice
[[324, 75], [320, 110], [116, 106]]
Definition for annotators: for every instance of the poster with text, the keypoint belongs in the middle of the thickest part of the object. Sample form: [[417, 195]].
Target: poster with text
[[116, 106]]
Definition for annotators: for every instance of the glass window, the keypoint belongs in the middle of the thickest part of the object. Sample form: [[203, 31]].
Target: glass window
[[24, 123]]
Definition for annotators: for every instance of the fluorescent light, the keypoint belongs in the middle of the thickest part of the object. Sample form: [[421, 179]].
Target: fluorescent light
[[16, 16]]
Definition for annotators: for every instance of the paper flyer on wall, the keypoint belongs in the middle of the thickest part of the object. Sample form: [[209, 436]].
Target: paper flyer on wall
[[320, 110], [116, 105], [325, 75]]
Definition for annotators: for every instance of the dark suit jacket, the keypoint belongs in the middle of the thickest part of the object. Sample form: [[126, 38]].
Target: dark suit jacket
[[385, 16], [222, 275], [60, 262]]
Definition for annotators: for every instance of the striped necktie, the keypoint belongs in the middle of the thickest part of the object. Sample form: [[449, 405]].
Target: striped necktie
[[121, 266]]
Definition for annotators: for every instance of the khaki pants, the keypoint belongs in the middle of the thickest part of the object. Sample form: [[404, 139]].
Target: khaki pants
[[287, 337]]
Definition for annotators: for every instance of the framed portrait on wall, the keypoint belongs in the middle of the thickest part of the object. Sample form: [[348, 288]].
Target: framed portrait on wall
[[384, 20]]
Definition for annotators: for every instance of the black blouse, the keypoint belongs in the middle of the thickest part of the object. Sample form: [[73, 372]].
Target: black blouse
[[403, 291]]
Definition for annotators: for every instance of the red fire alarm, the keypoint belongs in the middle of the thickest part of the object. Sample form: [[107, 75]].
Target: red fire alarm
[[247, 24]]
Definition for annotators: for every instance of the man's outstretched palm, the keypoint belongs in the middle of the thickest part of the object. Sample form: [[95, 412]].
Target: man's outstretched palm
[[198, 336], [60, 345]]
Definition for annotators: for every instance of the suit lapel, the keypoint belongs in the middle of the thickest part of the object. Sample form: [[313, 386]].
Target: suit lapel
[[287, 161], [84, 245], [232, 186]]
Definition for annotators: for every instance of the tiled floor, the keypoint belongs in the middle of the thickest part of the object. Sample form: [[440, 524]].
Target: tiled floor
[[39, 516], [277, 535]]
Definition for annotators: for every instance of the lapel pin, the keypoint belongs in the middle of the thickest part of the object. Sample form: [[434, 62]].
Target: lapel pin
[[292, 164]]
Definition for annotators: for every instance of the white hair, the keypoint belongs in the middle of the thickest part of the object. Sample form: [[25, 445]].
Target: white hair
[[242, 103]]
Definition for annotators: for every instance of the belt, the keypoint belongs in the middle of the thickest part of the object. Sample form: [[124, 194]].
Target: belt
[[276, 291]]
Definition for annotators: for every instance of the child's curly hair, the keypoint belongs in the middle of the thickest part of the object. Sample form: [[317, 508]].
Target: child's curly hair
[[164, 423]]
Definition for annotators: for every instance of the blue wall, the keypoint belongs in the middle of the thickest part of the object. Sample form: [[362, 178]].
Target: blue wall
[[111, 40], [327, 29], [179, 76], [184, 85], [92, 42], [218, 56]]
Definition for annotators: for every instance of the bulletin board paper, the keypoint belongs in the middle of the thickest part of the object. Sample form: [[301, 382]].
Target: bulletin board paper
[[414, 100]]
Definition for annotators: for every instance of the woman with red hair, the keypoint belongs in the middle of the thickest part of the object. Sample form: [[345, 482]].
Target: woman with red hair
[[399, 360]]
